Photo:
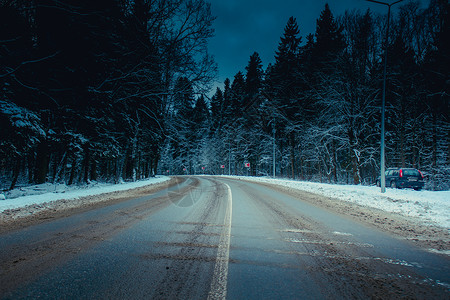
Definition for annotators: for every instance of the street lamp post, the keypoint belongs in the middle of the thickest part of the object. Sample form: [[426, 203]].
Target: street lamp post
[[383, 101], [273, 148]]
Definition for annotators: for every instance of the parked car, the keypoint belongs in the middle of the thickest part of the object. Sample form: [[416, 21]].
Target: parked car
[[403, 178]]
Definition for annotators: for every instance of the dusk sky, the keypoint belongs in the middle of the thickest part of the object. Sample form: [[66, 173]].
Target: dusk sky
[[245, 26]]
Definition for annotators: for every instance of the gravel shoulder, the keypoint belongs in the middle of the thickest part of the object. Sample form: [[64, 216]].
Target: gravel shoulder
[[429, 237]]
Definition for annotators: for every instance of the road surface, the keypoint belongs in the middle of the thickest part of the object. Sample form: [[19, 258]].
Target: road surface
[[214, 238]]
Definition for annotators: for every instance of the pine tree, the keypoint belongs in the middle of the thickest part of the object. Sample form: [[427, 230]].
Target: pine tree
[[284, 87], [254, 76], [329, 39], [437, 74], [227, 100], [237, 94], [288, 49], [217, 110]]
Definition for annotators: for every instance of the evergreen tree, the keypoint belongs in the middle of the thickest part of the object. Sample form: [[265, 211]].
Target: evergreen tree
[[437, 90], [329, 39], [254, 76], [217, 110], [237, 94], [288, 49], [284, 86], [284, 80]]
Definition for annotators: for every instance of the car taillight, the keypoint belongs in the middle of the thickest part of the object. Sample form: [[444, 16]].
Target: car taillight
[[401, 173], [421, 175]]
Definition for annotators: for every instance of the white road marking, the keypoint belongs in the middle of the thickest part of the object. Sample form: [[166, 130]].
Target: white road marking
[[342, 233], [294, 230], [218, 289], [317, 242]]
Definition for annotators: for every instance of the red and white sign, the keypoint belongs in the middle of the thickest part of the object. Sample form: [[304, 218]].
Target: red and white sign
[[222, 166], [203, 168], [247, 165]]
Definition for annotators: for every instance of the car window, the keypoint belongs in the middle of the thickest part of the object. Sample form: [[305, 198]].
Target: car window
[[411, 173], [395, 173]]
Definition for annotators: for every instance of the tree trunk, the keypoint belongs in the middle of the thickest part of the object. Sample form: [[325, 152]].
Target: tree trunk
[[334, 162], [319, 169], [72, 171], [434, 154], [93, 171], [16, 172], [86, 163], [59, 168], [155, 165], [292, 153], [41, 165], [30, 160], [356, 176]]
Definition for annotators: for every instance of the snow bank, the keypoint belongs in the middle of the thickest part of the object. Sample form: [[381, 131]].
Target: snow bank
[[44, 193], [431, 207]]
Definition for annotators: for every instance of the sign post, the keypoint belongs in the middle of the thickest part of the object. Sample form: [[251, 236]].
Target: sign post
[[247, 165]]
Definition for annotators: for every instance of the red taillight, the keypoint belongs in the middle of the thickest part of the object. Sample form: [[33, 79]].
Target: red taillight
[[421, 175], [401, 173]]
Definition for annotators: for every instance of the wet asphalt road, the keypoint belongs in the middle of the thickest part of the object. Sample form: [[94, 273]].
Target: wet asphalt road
[[215, 238]]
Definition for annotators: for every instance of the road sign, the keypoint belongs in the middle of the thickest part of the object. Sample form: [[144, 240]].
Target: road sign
[[222, 166], [247, 165], [203, 168]]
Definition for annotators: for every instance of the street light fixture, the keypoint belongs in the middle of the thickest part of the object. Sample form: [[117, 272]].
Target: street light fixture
[[383, 101]]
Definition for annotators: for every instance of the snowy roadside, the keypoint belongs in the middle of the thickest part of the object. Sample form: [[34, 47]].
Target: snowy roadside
[[47, 193], [429, 206]]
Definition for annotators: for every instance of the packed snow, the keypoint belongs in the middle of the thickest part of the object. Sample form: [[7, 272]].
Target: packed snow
[[429, 206], [44, 193]]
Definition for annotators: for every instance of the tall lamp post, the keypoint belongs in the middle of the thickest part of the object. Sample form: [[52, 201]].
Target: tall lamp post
[[383, 101], [273, 148]]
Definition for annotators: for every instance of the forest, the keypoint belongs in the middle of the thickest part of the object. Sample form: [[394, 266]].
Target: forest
[[119, 90]]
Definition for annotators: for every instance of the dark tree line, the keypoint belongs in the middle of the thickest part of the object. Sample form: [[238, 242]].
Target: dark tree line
[[317, 107], [112, 90], [87, 87]]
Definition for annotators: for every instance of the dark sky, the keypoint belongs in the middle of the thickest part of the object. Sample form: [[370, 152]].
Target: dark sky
[[245, 26]]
